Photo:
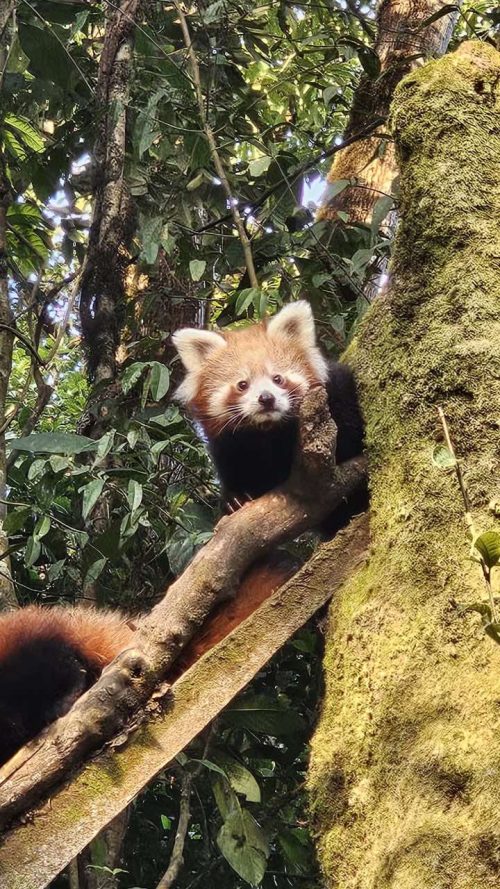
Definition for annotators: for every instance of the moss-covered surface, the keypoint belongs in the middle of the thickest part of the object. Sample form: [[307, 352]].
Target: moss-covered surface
[[405, 768]]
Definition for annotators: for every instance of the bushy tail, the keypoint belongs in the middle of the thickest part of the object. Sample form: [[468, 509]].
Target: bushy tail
[[48, 658]]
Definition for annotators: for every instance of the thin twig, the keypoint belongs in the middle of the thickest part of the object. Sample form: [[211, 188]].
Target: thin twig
[[219, 167], [177, 858], [458, 472], [468, 517]]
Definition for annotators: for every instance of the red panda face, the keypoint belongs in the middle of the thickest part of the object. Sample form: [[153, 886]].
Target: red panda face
[[251, 377]]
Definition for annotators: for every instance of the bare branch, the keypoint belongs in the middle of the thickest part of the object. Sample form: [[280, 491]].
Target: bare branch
[[315, 489], [177, 858], [219, 166], [34, 852]]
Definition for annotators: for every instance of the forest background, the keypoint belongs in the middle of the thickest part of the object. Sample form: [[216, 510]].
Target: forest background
[[201, 181]]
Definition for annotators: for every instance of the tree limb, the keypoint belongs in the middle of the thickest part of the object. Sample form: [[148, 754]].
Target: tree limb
[[315, 489], [35, 851], [209, 133], [177, 858]]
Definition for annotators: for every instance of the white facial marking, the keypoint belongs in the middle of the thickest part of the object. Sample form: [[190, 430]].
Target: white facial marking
[[252, 407]]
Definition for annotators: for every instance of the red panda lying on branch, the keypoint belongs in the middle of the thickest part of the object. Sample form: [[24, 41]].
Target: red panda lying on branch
[[51, 656], [243, 388]]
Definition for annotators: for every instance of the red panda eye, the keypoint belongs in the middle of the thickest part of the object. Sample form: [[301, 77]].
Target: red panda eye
[[242, 385], [278, 379]]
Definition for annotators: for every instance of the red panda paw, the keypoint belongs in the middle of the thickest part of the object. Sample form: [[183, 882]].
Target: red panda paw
[[235, 503]]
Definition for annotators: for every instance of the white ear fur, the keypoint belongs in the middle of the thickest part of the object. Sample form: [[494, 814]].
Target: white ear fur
[[194, 346], [295, 322]]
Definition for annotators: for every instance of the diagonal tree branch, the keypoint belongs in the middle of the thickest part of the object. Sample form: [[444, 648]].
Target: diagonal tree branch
[[315, 488], [34, 852]]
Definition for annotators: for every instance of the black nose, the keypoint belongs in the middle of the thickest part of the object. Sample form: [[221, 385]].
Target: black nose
[[267, 400]]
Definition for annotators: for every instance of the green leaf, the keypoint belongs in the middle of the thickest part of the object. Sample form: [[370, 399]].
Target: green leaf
[[197, 268], [150, 233], [93, 571], [58, 463], [240, 778], [37, 469], [488, 545], [225, 797], [382, 207], [328, 94], [295, 846], [26, 132], [42, 527], [53, 443], [16, 520], [264, 715], [49, 60], [166, 823], [134, 495], [56, 569], [334, 188], [443, 458], [104, 444], [446, 9], [245, 299], [370, 61], [259, 166], [131, 375], [159, 380], [91, 494], [244, 846], [32, 552]]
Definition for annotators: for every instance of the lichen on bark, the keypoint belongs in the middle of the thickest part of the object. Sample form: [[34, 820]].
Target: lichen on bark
[[405, 761]]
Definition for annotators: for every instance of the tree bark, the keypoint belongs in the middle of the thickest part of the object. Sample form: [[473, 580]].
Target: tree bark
[[7, 593], [316, 487], [402, 43], [404, 769], [103, 287]]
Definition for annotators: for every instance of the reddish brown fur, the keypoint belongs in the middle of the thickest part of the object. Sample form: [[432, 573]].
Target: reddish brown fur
[[259, 583], [246, 354], [98, 635]]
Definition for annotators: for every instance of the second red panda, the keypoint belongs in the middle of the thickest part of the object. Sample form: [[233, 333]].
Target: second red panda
[[50, 656], [244, 387]]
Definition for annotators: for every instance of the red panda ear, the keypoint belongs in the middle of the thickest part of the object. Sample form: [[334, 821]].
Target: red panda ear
[[194, 346], [296, 323]]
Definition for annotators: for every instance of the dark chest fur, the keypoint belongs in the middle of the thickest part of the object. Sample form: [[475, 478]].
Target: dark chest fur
[[253, 461]]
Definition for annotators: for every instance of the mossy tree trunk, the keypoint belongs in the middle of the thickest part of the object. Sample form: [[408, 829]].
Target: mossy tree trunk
[[405, 765]]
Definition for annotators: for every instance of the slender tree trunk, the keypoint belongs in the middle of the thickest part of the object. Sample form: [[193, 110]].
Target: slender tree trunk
[[403, 42], [404, 771], [103, 281], [7, 594]]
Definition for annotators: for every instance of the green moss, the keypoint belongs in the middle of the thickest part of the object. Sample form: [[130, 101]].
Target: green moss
[[402, 777]]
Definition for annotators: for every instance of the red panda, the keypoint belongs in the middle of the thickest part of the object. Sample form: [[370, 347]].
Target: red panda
[[48, 658], [243, 388], [51, 656]]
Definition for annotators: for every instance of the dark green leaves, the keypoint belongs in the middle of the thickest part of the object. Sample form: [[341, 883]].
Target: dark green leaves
[[48, 57], [244, 845], [53, 443], [262, 714], [488, 546]]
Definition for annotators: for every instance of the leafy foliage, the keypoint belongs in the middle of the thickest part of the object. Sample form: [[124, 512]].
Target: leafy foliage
[[110, 492]]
